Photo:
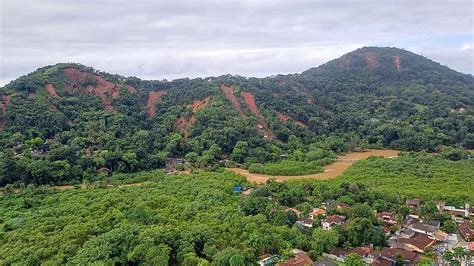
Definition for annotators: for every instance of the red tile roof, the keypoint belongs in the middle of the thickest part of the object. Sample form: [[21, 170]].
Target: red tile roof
[[391, 254], [301, 259], [420, 241], [335, 219], [318, 211]]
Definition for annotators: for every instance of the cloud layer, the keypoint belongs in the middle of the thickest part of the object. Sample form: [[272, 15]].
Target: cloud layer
[[174, 39]]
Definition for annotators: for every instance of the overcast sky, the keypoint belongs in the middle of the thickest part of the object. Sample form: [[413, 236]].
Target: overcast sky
[[174, 39]]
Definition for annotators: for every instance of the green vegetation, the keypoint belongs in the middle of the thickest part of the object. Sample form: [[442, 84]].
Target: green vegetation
[[422, 176], [286, 167], [67, 136]]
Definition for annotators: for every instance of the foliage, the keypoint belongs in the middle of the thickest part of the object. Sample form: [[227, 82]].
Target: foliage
[[286, 168]]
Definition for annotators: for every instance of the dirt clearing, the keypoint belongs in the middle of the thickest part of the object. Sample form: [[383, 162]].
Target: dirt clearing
[[330, 171]]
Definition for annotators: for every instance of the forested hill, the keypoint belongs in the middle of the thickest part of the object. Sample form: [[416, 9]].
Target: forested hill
[[66, 121]]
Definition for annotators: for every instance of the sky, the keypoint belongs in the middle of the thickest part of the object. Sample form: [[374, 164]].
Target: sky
[[177, 39]]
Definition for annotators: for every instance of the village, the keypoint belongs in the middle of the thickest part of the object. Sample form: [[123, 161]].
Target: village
[[410, 239]]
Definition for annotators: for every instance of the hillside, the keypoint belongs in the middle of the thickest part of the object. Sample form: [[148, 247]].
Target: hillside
[[65, 122]]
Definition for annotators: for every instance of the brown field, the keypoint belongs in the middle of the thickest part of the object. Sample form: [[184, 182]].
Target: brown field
[[330, 171]]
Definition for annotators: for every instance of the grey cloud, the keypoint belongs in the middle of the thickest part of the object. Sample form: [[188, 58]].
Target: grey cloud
[[172, 39]]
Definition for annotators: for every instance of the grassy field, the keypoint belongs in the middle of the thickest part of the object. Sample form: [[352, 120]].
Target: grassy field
[[426, 177], [287, 168]]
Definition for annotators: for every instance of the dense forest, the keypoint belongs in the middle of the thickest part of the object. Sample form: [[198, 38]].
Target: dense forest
[[67, 123], [83, 151], [193, 219], [151, 218]]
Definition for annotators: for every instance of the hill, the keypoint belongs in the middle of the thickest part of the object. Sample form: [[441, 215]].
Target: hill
[[65, 122]]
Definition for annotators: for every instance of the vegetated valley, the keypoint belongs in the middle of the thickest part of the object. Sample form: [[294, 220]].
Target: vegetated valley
[[101, 168]]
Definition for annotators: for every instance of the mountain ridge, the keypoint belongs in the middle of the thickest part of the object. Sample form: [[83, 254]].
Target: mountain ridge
[[369, 98]]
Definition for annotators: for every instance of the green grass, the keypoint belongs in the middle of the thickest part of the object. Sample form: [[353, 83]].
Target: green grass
[[286, 168], [425, 177]]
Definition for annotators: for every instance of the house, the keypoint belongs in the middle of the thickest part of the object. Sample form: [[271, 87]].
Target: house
[[340, 254], [423, 228], [316, 212], [305, 223], [412, 219], [104, 170], [413, 203], [300, 259], [391, 254], [387, 218], [332, 220], [434, 223], [465, 229], [419, 243]]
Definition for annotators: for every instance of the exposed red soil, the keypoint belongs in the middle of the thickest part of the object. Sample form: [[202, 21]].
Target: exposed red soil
[[283, 117], [397, 62], [199, 104], [372, 59], [51, 90], [229, 94], [6, 102], [153, 98], [103, 88], [185, 124], [249, 100]]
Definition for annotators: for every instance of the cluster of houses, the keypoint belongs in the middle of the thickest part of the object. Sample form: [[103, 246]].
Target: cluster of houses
[[409, 238]]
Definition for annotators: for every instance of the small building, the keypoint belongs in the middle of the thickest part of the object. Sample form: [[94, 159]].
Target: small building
[[419, 243], [424, 228], [466, 232], [387, 218], [300, 259], [305, 223], [316, 212], [413, 203], [332, 220], [391, 254]]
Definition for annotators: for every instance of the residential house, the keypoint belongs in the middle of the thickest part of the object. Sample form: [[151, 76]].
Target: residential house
[[466, 211], [305, 223], [465, 229], [391, 254], [423, 228], [316, 212], [419, 243], [300, 259], [413, 203], [332, 220], [387, 218], [340, 254]]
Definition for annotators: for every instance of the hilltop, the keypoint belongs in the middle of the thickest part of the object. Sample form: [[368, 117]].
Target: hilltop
[[64, 122]]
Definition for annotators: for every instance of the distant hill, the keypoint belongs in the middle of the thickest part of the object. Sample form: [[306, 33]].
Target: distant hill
[[76, 120]]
